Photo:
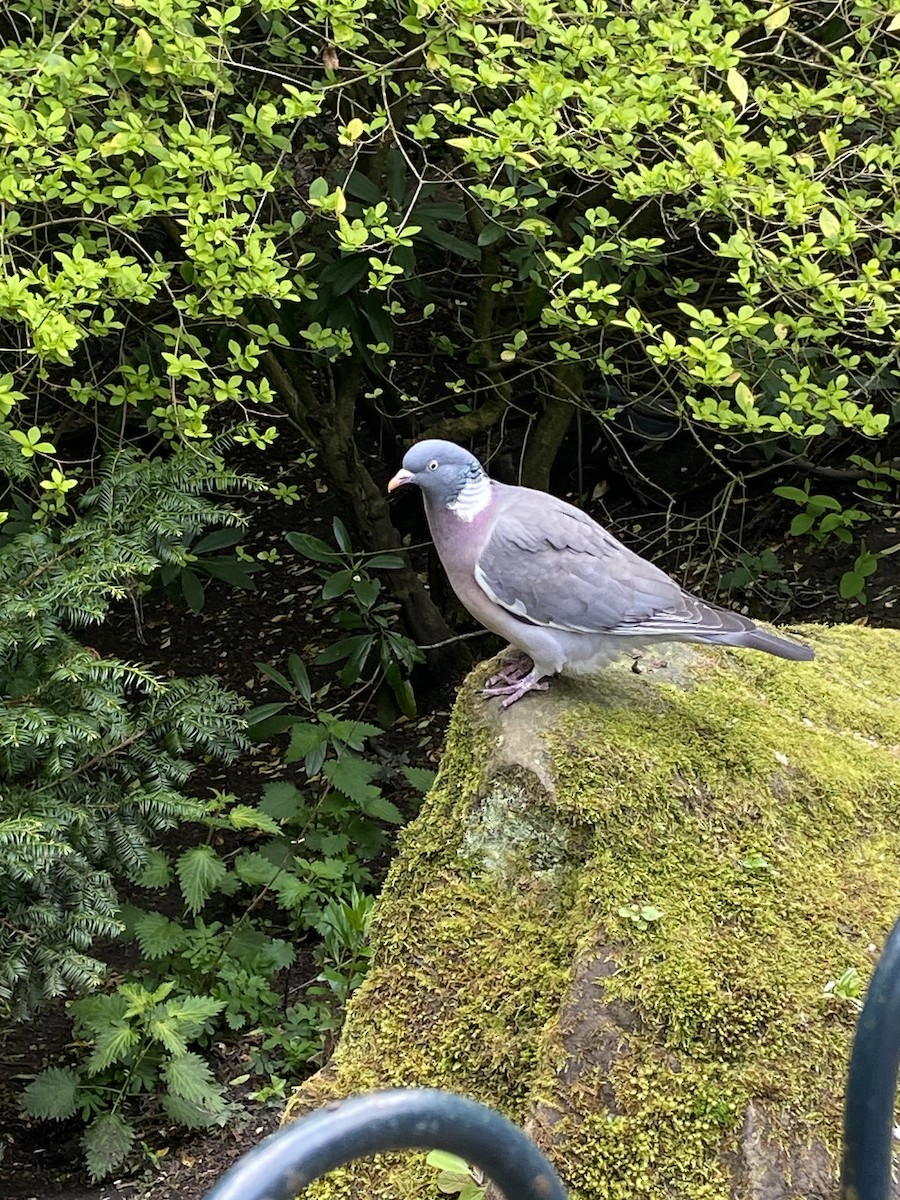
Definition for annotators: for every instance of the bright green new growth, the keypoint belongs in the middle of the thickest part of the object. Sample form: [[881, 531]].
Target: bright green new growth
[[689, 203], [754, 806]]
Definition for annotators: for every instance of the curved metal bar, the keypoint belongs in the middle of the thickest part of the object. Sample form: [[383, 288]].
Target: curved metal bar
[[401, 1119], [872, 1084]]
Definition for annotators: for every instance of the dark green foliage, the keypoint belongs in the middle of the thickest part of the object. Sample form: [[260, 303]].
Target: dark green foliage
[[222, 967], [186, 582], [94, 753], [374, 647]]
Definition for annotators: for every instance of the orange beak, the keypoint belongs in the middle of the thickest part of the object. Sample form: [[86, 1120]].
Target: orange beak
[[399, 479]]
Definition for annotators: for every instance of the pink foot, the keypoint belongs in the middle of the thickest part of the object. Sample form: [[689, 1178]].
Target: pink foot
[[515, 690], [514, 668], [520, 691]]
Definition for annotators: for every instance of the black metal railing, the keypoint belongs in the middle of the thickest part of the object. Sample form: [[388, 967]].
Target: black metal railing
[[419, 1118], [403, 1119], [872, 1083]]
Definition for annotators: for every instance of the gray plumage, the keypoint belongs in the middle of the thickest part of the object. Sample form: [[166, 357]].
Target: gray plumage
[[544, 575]]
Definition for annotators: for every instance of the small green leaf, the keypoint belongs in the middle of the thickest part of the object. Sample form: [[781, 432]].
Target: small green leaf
[[200, 870], [275, 675], [341, 536], [337, 584], [218, 540], [852, 583], [345, 648], [801, 524], [255, 869], [157, 935], [366, 591], [300, 676], [312, 547], [779, 15], [187, 1113], [381, 809], [262, 712], [112, 1044], [157, 871], [246, 816], [385, 562], [192, 590], [189, 1076], [819, 500], [352, 777], [738, 86], [282, 801], [421, 778], [305, 738], [791, 493], [829, 224], [52, 1096], [192, 1013], [107, 1143]]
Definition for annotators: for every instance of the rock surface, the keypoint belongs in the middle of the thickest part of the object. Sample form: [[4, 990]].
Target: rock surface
[[618, 913]]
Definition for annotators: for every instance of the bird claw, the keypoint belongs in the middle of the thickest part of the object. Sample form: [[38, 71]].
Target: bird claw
[[512, 672], [514, 689], [520, 691]]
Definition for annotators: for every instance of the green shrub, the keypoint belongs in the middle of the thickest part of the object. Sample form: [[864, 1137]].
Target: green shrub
[[221, 967], [94, 753], [681, 212]]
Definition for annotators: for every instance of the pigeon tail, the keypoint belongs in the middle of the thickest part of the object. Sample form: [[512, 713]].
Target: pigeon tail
[[761, 639]]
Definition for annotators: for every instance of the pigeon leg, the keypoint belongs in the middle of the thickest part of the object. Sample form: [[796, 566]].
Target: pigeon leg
[[532, 682], [514, 668]]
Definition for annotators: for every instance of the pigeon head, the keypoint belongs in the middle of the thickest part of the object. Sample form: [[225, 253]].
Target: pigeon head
[[443, 470]]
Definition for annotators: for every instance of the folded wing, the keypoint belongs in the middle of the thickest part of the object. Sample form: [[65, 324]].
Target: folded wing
[[549, 564]]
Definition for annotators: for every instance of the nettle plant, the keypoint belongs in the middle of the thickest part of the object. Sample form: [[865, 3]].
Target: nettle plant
[[219, 969], [677, 210]]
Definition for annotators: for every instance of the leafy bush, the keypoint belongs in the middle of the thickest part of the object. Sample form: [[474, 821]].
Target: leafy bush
[[374, 648], [222, 966], [667, 215], [140, 1044], [93, 752]]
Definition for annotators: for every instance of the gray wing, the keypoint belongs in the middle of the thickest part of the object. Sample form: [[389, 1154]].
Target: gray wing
[[551, 564]]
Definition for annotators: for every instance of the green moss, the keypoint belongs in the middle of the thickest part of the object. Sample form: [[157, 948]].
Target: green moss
[[756, 803]]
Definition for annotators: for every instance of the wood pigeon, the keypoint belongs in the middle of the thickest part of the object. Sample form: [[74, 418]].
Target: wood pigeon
[[554, 583]]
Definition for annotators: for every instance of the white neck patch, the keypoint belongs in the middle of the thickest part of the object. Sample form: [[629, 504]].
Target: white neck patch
[[472, 500]]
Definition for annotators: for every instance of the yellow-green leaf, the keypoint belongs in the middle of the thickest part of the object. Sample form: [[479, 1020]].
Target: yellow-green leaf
[[738, 86], [143, 43], [779, 14], [355, 129], [894, 23], [829, 140], [828, 223], [744, 396]]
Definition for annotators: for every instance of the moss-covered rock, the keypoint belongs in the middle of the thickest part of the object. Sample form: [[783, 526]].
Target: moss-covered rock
[[751, 808]]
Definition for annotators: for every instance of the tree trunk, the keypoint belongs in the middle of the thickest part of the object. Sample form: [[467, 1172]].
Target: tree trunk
[[331, 429], [549, 431]]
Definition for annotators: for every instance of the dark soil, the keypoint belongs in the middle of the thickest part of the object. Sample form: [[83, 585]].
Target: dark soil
[[235, 630]]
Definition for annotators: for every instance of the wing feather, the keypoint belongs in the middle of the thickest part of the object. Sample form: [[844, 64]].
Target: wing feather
[[550, 564]]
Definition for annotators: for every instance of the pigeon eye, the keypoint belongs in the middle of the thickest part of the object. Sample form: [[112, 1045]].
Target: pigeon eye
[[433, 465]]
